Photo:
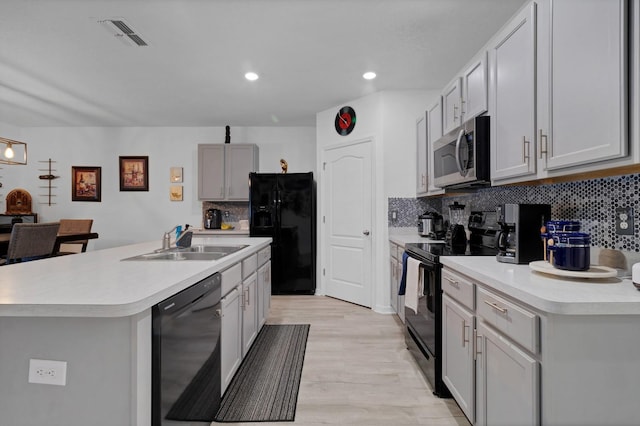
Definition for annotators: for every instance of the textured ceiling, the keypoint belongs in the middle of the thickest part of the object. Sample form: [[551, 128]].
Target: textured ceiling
[[60, 67]]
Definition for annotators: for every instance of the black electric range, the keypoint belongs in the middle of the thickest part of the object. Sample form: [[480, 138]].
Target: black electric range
[[424, 328]]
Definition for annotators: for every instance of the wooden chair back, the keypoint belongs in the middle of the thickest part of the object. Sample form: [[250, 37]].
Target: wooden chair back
[[74, 226]]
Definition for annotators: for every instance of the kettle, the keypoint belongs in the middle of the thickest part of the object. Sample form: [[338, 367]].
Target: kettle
[[213, 219], [430, 225]]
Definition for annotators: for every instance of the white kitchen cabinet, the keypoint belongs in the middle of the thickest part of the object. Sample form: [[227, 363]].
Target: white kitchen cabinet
[[507, 386], [422, 185], [559, 116], [582, 109], [230, 341], [451, 105], [434, 132], [395, 278], [458, 371], [249, 312], [223, 171], [264, 293], [474, 87], [512, 84]]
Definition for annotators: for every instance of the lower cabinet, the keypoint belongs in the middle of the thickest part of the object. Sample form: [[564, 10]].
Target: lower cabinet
[[249, 311], [230, 341], [458, 371], [245, 308], [489, 354], [506, 382]]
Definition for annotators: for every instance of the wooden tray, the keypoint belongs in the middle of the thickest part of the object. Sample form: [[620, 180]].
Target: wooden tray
[[595, 271]]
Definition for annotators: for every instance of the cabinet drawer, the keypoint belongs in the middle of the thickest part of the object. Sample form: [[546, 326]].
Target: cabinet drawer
[[264, 255], [458, 288], [249, 265], [519, 324], [231, 277]]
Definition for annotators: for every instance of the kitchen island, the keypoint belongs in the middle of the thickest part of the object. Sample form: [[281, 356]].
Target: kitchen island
[[534, 348], [93, 311]]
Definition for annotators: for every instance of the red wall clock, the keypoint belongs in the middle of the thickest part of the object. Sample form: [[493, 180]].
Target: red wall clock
[[345, 120]]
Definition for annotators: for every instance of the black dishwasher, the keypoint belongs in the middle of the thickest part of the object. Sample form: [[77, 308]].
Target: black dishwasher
[[185, 361]]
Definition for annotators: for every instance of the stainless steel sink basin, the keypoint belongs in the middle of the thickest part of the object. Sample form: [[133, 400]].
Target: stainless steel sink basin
[[197, 252]]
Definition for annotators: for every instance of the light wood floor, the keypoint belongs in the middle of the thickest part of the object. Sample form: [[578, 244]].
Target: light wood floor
[[357, 370]]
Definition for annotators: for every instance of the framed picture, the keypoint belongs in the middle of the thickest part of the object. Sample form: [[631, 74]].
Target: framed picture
[[85, 183], [134, 173], [176, 174], [175, 192]]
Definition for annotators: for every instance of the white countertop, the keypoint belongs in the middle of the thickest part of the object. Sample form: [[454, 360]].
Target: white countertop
[[550, 294], [99, 284], [219, 232], [402, 236]]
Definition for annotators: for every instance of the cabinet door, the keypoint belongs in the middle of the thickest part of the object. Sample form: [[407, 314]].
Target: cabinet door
[[211, 172], [240, 161], [266, 290], [507, 382], [421, 149], [394, 284], [230, 340], [434, 132], [457, 355], [262, 281], [474, 88], [400, 299], [512, 57], [451, 108], [582, 109], [249, 312]]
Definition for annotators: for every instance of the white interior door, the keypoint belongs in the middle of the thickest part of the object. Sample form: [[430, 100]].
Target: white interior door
[[348, 189]]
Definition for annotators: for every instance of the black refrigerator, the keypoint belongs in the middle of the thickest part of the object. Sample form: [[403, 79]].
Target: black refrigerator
[[283, 206]]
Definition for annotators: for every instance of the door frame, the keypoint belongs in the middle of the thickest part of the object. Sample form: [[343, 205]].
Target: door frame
[[322, 239]]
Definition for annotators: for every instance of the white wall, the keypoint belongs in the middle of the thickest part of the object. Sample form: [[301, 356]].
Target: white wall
[[388, 119], [128, 217]]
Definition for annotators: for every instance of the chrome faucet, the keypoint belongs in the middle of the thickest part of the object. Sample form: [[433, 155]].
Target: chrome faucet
[[166, 238]]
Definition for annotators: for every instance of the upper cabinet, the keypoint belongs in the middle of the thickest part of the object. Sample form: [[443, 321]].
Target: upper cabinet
[[582, 81], [223, 171], [434, 132], [474, 87], [512, 100], [421, 149], [568, 106], [451, 106]]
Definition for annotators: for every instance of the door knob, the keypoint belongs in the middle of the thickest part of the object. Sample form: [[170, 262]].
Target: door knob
[[365, 232]]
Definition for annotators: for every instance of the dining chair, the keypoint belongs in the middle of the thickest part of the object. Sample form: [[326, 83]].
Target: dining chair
[[31, 241], [74, 226]]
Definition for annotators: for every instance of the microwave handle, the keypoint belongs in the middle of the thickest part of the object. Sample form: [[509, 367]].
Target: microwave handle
[[458, 159]]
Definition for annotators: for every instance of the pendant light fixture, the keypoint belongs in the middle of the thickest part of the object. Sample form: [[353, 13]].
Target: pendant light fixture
[[12, 152]]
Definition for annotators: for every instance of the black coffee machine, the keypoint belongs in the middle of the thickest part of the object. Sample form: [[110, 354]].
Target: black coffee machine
[[519, 239], [213, 219]]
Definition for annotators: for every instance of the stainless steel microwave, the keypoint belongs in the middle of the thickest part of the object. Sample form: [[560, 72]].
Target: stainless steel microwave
[[461, 157]]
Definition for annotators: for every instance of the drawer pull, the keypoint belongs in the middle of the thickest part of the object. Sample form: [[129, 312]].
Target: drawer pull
[[496, 307], [464, 333], [453, 282], [477, 351]]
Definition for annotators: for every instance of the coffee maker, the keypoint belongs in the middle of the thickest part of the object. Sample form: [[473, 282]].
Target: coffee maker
[[519, 239], [213, 219]]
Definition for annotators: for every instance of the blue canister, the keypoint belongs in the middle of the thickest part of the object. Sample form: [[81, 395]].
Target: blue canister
[[571, 251]]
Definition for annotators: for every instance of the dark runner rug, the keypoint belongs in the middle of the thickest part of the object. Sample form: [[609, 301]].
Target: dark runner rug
[[265, 388]]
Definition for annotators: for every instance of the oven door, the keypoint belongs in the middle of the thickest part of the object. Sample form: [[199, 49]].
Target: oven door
[[423, 323]]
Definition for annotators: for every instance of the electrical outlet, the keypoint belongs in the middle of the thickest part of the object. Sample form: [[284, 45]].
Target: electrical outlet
[[48, 372], [624, 220], [394, 215]]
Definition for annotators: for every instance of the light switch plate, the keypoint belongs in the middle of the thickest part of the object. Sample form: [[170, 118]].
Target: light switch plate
[[624, 220]]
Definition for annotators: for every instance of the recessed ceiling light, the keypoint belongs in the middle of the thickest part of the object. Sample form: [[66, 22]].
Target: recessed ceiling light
[[370, 75], [251, 76]]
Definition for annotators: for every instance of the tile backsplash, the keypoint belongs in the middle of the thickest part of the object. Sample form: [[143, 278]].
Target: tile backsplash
[[236, 210], [592, 202]]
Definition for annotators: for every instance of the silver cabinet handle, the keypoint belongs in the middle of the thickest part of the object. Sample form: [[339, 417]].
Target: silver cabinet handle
[[525, 150], [455, 111], [464, 333], [496, 307], [546, 140], [365, 232], [455, 283], [478, 350]]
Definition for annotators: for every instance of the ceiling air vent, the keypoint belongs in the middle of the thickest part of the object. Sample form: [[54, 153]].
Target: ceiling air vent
[[123, 31]]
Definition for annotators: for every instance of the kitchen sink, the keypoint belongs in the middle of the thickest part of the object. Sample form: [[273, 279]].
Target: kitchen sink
[[196, 252]]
